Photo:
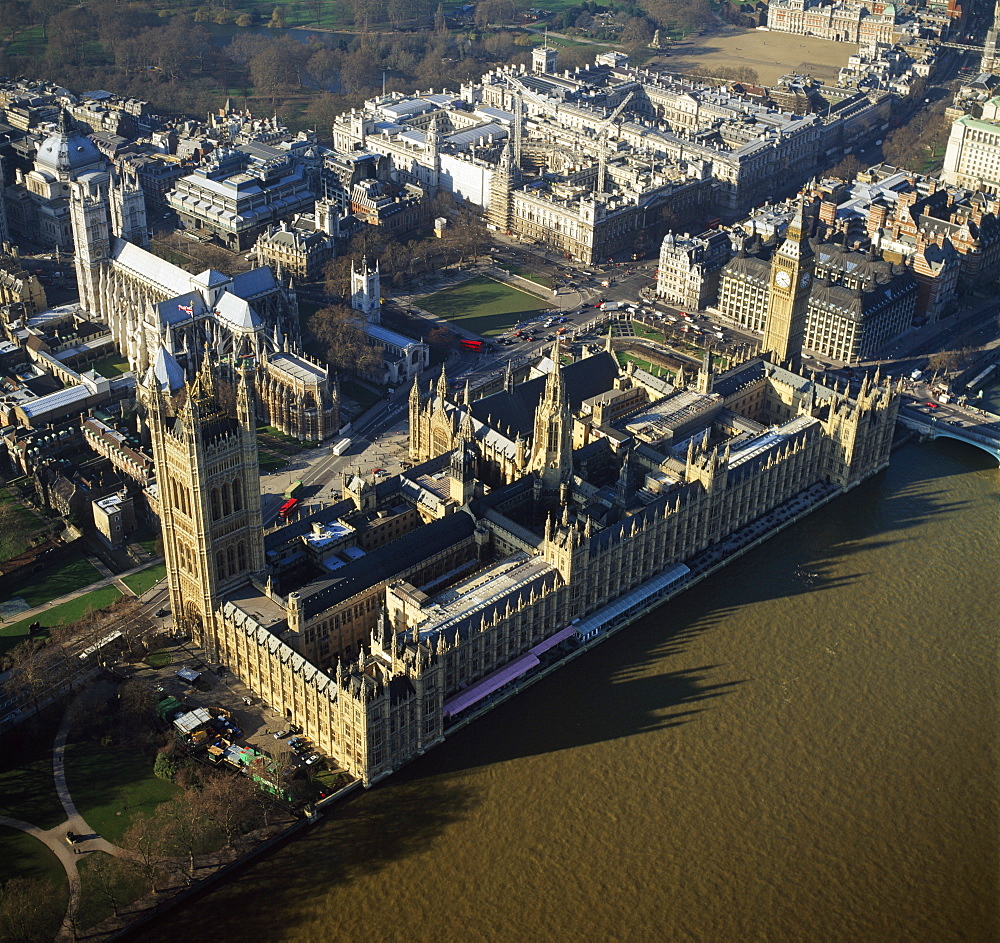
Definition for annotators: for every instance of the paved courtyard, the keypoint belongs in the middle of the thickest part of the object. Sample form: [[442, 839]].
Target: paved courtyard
[[772, 55]]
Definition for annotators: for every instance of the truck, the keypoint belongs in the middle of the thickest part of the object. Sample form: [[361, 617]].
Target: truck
[[341, 447], [293, 490]]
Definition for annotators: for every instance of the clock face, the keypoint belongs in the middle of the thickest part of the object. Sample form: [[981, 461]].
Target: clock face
[[806, 279], [783, 279]]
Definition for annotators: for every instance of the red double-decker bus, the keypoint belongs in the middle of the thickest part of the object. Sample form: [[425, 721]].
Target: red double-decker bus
[[288, 508], [470, 345]]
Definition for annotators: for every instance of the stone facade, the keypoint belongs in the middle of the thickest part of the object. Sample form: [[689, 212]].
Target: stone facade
[[840, 21], [690, 267], [972, 158], [856, 304]]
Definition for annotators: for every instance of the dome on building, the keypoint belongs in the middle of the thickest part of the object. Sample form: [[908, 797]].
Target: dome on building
[[68, 153]]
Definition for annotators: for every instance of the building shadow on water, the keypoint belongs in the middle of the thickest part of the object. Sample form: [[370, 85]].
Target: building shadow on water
[[398, 819], [568, 710]]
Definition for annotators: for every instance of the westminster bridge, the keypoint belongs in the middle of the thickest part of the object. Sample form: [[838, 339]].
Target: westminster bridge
[[948, 421]]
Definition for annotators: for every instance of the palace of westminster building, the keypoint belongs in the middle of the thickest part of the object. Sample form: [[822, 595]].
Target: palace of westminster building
[[531, 520]]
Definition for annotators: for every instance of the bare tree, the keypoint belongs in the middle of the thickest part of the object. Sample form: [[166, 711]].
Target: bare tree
[[186, 828], [27, 914], [339, 332], [146, 841], [229, 800], [109, 874]]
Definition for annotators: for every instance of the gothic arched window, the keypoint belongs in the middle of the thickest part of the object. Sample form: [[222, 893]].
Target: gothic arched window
[[220, 565], [237, 495], [216, 509], [227, 506]]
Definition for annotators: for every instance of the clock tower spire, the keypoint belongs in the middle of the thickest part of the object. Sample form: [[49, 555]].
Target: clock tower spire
[[788, 297]]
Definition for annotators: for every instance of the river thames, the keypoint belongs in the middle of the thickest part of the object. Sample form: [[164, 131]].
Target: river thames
[[801, 748]]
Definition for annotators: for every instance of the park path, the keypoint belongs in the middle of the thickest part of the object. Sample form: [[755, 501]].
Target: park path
[[115, 580], [55, 839]]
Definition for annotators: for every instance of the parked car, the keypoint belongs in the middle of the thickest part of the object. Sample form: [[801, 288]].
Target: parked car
[[280, 734], [160, 613]]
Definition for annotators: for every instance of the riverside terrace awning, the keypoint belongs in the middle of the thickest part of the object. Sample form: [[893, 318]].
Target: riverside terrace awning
[[492, 682], [623, 606], [509, 672]]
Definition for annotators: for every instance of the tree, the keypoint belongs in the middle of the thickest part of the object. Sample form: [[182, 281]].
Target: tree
[[277, 19], [30, 665], [185, 828], [338, 331], [27, 914], [164, 767], [271, 71], [109, 874], [146, 841], [230, 801]]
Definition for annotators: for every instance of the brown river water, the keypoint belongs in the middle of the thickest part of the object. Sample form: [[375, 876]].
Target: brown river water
[[804, 747]]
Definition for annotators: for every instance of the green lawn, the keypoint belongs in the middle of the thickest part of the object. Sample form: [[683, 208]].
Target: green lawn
[[641, 330], [145, 579], [281, 437], [74, 573], [19, 525], [27, 790], [27, 857], [361, 395], [29, 42], [62, 614], [159, 659], [268, 461], [110, 785], [94, 904], [624, 358], [111, 367], [483, 306], [535, 277]]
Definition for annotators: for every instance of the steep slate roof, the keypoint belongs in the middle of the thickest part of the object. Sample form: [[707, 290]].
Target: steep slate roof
[[516, 410]]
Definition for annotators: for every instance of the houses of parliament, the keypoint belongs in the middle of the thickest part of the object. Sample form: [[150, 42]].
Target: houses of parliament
[[531, 520]]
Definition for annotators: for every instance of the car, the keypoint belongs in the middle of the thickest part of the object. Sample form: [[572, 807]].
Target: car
[[160, 613], [312, 758], [280, 734], [932, 405]]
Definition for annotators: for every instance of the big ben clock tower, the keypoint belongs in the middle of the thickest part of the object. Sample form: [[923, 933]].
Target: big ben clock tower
[[788, 297]]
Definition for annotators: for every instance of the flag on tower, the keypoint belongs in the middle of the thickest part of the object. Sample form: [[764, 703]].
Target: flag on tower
[[187, 309]]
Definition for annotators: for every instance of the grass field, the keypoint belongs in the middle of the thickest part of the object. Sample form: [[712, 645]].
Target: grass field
[[483, 306], [111, 367], [269, 461], [535, 277], [144, 579], [159, 659], [27, 789], [62, 614], [624, 358], [26, 857], [19, 525], [110, 785], [73, 574], [361, 395]]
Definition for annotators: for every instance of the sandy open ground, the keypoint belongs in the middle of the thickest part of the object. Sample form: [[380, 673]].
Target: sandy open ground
[[771, 54]]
